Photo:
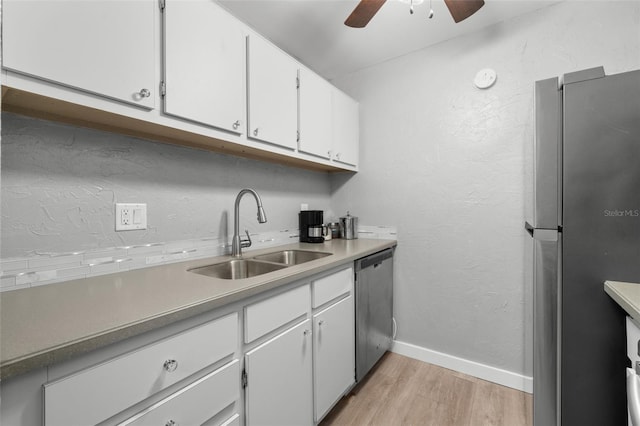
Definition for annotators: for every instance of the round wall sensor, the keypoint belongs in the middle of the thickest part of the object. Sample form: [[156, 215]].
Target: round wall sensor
[[485, 78]]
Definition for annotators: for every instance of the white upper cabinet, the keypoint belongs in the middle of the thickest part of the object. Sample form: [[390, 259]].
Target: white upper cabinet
[[205, 65], [272, 94], [222, 86], [346, 134], [103, 47], [315, 115]]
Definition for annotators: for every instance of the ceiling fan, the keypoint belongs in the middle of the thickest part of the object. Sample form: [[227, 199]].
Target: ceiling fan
[[366, 9]]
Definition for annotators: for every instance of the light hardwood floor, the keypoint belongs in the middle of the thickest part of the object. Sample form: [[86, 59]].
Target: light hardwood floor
[[404, 391]]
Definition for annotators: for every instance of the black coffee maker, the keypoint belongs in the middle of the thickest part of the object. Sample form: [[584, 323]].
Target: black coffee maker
[[310, 222]]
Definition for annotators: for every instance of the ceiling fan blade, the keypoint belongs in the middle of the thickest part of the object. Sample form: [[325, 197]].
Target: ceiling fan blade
[[362, 14], [462, 9]]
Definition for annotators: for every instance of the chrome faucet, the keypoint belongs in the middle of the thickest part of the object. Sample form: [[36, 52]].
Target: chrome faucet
[[237, 243]]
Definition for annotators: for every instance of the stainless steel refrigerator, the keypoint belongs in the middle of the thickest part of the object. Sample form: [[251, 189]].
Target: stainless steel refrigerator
[[585, 226]]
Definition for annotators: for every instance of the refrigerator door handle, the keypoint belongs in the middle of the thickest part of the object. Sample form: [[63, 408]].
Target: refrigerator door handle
[[529, 228], [633, 396], [546, 329], [541, 234]]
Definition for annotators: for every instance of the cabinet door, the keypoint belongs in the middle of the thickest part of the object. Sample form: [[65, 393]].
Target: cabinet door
[[279, 379], [334, 354], [103, 47], [204, 70], [273, 94], [314, 115], [345, 128]]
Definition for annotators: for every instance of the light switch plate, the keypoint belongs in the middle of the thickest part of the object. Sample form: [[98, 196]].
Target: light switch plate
[[131, 216]]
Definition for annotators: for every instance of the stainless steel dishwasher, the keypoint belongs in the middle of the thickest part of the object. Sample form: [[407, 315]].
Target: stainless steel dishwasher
[[374, 309]]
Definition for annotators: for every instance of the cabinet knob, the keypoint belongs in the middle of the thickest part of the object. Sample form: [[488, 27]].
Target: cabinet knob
[[320, 322], [337, 155], [307, 333], [236, 125], [170, 365], [329, 154], [171, 423], [144, 93], [255, 132]]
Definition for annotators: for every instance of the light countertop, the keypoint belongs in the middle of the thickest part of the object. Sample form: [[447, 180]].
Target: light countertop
[[40, 326], [626, 295]]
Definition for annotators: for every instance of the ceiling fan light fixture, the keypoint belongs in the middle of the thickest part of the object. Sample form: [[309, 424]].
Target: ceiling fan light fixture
[[411, 4], [366, 10]]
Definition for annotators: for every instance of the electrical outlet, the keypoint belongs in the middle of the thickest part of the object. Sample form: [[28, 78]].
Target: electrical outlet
[[125, 216], [131, 216]]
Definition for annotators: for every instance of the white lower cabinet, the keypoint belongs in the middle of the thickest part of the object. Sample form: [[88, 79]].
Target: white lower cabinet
[[279, 379], [296, 376], [94, 394], [292, 349], [333, 354], [195, 403], [268, 314]]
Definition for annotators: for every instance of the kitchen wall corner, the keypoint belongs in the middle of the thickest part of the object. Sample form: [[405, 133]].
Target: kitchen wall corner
[[448, 163]]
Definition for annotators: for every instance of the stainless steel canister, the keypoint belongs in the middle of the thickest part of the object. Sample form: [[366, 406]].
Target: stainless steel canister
[[349, 227], [335, 229]]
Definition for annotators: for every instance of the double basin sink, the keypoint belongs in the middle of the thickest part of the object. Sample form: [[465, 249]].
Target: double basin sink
[[237, 269]]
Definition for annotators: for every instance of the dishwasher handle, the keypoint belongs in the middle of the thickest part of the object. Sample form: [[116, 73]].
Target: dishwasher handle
[[374, 260]]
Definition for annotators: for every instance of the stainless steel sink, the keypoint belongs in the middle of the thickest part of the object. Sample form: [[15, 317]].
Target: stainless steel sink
[[237, 269], [292, 257]]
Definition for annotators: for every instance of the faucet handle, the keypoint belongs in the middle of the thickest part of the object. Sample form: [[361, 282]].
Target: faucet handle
[[247, 242]]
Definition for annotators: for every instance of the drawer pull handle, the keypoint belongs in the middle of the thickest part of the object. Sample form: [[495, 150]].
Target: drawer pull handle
[[170, 365]]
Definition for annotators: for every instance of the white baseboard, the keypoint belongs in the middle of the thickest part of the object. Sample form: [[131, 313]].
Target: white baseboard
[[472, 368]]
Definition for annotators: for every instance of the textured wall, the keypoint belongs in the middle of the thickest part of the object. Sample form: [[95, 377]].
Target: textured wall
[[448, 164], [60, 183]]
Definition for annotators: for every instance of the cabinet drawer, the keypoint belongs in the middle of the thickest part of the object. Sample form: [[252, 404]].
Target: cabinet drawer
[[196, 403], [334, 285], [92, 395], [269, 314]]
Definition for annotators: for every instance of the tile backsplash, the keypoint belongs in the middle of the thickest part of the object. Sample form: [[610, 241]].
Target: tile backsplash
[[49, 267]]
